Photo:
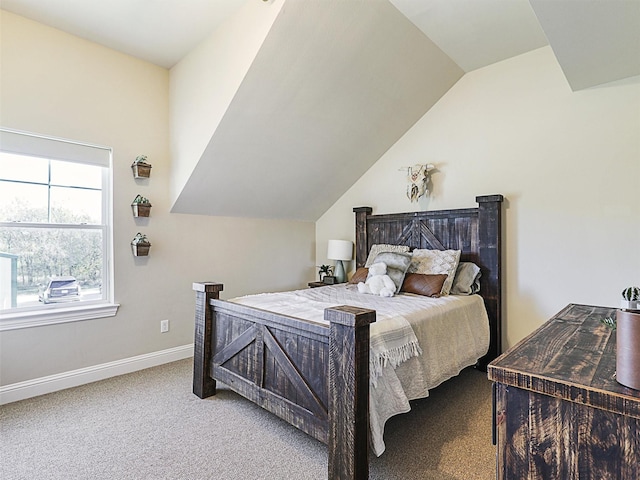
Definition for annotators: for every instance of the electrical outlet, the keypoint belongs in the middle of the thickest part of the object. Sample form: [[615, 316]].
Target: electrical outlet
[[164, 326]]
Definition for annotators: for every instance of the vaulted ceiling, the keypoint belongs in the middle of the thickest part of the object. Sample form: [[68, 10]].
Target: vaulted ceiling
[[331, 89], [336, 82]]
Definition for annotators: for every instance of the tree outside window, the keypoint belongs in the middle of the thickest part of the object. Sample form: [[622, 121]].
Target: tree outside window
[[52, 226]]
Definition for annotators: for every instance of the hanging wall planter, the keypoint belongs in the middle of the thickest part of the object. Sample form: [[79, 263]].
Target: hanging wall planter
[[141, 206], [140, 167], [140, 245]]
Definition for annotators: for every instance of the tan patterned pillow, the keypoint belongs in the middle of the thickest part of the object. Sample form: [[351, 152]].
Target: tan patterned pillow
[[383, 247], [436, 262]]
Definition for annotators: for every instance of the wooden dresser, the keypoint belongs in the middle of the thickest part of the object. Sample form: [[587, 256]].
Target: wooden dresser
[[558, 411]]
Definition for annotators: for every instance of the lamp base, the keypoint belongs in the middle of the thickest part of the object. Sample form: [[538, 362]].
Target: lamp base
[[340, 274]]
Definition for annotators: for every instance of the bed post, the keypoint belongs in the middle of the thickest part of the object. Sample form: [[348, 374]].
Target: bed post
[[490, 251], [349, 392], [203, 385], [362, 250]]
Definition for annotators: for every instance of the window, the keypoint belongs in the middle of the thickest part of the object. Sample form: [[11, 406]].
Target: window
[[55, 230]]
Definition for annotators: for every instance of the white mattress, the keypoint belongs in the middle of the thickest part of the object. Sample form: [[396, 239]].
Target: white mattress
[[452, 331]]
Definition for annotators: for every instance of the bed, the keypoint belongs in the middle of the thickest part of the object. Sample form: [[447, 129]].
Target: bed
[[317, 373]]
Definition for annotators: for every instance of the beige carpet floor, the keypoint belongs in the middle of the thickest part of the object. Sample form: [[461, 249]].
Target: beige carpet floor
[[148, 425]]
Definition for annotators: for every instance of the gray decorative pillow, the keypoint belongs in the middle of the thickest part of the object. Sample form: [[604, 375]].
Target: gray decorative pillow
[[397, 264], [383, 247], [467, 279]]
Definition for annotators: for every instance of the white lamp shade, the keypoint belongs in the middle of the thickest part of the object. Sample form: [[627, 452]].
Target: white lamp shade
[[340, 250]]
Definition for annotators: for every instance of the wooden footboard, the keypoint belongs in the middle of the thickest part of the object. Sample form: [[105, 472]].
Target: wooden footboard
[[313, 376]]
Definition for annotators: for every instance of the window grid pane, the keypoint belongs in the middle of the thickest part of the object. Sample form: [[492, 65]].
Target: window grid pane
[[71, 192], [42, 254], [23, 202], [69, 174], [75, 205], [24, 168], [52, 226]]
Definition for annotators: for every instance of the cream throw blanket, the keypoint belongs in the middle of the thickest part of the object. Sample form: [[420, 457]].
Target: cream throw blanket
[[392, 340]]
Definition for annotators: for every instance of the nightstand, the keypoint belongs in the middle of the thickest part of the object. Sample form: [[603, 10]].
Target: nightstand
[[317, 284]]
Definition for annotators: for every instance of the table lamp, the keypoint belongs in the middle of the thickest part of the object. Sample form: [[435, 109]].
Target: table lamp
[[340, 250]]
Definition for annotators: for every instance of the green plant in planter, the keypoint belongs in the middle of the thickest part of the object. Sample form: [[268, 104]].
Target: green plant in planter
[[325, 270], [630, 302], [140, 239], [628, 339], [141, 206], [140, 245], [140, 200], [140, 167], [631, 298]]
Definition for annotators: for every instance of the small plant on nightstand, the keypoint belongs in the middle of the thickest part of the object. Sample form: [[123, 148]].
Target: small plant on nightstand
[[325, 270]]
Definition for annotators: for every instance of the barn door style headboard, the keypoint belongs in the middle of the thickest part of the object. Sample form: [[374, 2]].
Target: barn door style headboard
[[476, 232]]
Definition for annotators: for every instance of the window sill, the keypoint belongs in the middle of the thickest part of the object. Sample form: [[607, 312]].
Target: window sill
[[38, 318]]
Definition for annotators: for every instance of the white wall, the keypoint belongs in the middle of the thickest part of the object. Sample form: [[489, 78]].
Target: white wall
[[57, 84], [568, 164]]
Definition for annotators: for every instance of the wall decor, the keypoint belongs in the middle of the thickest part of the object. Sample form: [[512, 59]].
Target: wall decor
[[140, 245], [417, 180], [141, 168], [141, 206]]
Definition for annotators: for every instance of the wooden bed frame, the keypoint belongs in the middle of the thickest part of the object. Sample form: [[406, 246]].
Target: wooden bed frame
[[314, 376]]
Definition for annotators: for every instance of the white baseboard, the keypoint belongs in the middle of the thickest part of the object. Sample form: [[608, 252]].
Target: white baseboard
[[82, 376]]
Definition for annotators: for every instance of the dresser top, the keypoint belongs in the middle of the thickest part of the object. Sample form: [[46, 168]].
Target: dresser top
[[573, 357]]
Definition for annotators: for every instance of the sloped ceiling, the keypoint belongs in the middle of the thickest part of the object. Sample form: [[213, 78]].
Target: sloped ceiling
[[476, 33], [595, 41], [337, 82], [334, 85], [160, 32]]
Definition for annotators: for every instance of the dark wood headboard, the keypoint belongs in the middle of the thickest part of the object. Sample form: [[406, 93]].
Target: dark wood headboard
[[476, 232]]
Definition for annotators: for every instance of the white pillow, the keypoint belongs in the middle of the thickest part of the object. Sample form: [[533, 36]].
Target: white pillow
[[427, 261], [383, 247]]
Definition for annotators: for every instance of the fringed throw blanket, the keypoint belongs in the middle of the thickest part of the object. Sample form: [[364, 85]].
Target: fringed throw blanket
[[392, 340]]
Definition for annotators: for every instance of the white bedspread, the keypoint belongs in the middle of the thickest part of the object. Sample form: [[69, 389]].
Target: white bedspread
[[452, 333], [392, 340]]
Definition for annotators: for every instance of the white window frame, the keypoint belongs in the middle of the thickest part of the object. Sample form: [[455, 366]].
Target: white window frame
[[25, 143]]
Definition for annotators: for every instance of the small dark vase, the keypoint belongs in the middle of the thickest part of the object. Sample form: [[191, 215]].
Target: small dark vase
[[628, 348]]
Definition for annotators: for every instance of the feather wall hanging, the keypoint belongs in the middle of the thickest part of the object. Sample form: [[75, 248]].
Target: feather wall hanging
[[417, 180]]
